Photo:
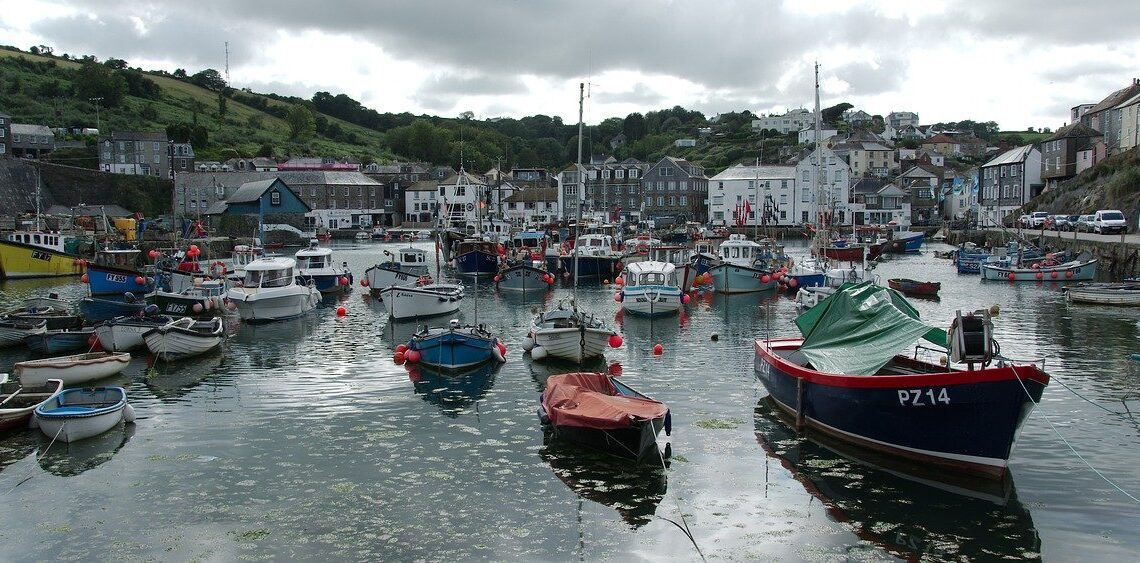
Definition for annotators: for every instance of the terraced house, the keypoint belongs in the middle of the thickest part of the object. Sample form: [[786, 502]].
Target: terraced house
[[676, 189]]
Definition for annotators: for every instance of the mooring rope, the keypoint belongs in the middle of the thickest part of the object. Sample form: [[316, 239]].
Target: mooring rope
[[1066, 442], [684, 528], [39, 458]]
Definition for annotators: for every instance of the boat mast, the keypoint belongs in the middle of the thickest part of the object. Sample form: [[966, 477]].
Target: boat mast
[[38, 180], [824, 217], [581, 185]]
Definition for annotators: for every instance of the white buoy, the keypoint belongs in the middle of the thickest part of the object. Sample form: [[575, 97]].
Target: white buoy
[[528, 343], [128, 413], [537, 353]]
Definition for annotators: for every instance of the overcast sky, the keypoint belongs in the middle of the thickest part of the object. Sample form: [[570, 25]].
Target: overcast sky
[[1021, 63]]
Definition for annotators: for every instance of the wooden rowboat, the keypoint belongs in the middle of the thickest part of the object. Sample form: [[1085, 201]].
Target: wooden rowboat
[[913, 287], [79, 368], [19, 401], [1124, 294]]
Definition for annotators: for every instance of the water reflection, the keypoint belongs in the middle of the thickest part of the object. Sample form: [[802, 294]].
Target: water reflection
[[633, 490], [902, 508], [453, 391], [273, 345], [170, 382], [541, 371], [69, 460], [17, 444]]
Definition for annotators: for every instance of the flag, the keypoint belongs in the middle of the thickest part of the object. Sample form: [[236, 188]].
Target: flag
[[747, 208]]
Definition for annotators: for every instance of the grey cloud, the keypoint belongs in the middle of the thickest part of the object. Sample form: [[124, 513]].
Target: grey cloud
[[1076, 70], [450, 84], [1051, 21], [641, 94]]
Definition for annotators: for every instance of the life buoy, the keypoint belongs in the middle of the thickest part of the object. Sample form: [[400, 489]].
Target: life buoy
[[218, 269], [423, 280]]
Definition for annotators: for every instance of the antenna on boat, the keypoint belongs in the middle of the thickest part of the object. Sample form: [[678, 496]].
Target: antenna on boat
[[581, 182]]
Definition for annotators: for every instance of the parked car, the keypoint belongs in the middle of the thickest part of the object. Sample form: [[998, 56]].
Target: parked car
[[1037, 219], [1058, 222], [1072, 222], [1085, 223], [1023, 221], [1107, 221]]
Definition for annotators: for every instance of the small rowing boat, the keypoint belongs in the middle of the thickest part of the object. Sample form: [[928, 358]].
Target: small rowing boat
[[76, 414]]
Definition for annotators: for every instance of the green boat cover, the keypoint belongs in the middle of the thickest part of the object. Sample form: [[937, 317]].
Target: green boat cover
[[859, 328]]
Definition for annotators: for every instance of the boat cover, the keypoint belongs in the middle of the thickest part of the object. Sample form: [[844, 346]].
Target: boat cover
[[859, 328], [590, 400]]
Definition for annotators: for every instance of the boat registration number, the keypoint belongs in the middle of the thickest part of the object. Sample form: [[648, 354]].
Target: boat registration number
[[923, 397], [176, 308], [37, 255], [116, 278]]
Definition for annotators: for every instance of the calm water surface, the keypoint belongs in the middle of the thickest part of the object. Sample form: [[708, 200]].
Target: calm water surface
[[301, 439]]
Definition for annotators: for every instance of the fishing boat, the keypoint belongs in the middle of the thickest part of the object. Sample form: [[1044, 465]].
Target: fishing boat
[[854, 250], [206, 298], [1124, 294], [476, 257], [741, 268], [97, 309], [425, 299], [600, 412], [403, 267], [681, 259], [76, 414], [455, 347], [240, 256], [184, 338], [902, 240], [651, 289], [908, 286], [537, 246], [524, 278], [569, 333], [59, 341], [19, 400], [362, 236], [123, 334], [14, 331], [1075, 270], [593, 256], [72, 370], [270, 292], [847, 378], [315, 267], [113, 272], [36, 253], [637, 248]]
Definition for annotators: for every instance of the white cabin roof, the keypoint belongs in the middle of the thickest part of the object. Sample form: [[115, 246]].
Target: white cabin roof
[[314, 251], [271, 264], [649, 266]]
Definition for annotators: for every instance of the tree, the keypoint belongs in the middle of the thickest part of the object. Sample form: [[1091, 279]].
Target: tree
[[265, 150], [148, 112], [301, 123], [221, 105], [833, 113], [209, 79], [179, 73], [94, 80], [115, 64], [634, 127]]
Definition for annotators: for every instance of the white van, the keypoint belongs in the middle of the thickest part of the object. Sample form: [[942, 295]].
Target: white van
[[1109, 221]]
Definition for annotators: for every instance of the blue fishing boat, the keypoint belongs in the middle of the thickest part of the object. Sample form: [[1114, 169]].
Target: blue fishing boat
[[524, 278], [594, 255], [55, 342], [96, 309], [476, 257], [851, 378], [455, 347], [903, 240], [113, 280], [315, 266]]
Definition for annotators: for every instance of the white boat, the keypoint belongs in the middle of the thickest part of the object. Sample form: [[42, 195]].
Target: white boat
[[738, 272], [1124, 294], [567, 333], [402, 268], [123, 334], [679, 256], [362, 236], [428, 300], [315, 264], [79, 368], [14, 330], [240, 256], [184, 338], [651, 288], [76, 414], [18, 401], [270, 292]]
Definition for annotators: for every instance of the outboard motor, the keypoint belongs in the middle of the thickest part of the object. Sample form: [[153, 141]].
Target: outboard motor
[[971, 338]]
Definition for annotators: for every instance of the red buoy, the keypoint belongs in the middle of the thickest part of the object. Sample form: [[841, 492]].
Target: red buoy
[[1040, 275], [1053, 274], [685, 298], [139, 280], [84, 278], [363, 282], [1011, 276], [402, 348], [615, 341], [341, 311], [658, 349], [398, 358], [412, 356]]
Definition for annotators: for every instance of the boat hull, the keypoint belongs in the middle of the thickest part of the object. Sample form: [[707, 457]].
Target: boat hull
[[730, 278], [651, 300], [414, 302], [65, 418], [477, 263], [108, 280], [454, 349], [14, 332], [380, 277], [260, 305], [906, 243], [59, 341], [18, 409], [1122, 295], [853, 253], [960, 420], [169, 343], [72, 370], [572, 344], [327, 283], [912, 287], [590, 266], [182, 305], [96, 309], [25, 261], [634, 439], [126, 333], [524, 279], [1084, 271]]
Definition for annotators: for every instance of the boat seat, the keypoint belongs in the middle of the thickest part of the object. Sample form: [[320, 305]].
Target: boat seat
[[73, 409]]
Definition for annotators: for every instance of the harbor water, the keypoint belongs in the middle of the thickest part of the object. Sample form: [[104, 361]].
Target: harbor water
[[302, 439]]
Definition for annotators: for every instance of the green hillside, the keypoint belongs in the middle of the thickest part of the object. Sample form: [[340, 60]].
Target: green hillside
[[1112, 184]]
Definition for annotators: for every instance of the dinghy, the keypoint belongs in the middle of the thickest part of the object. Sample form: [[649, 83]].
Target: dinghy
[[18, 401], [73, 370], [123, 334], [183, 338], [76, 414], [597, 411], [14, 331]]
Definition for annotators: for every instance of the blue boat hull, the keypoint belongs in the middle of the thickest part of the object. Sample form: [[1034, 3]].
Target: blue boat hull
[[106, 280], [912, 242], [329, 283], [95, 310], [728, 278], [966, 420], [53, 343], [477, 263], [524, 279], [590, 266], [453, 350]]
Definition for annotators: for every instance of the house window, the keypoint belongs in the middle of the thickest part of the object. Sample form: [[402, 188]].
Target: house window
[[633, 173], [220, 192], [665, 172], [313, 191], [684, 200], [619, 174], [346, 190], [275, 198], [660, 201], [460, 190], [606, 174]]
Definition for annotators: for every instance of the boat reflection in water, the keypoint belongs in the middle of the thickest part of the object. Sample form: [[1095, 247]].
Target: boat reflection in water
[[71, 459], [634, 491], [909, 510], [170, 382], [453, 390]]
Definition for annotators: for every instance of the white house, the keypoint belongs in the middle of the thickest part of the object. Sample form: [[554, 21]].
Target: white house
[[739, 194], [794, 120], [825, 183], [807, 134], [685, 143], [532, 206]]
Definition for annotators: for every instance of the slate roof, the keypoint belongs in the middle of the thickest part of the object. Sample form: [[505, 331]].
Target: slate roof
[[1010, 156], [1114, 99], [533, 194], [741, 172], [868, 185], [108, 210], [251, 191], [1076, 129]]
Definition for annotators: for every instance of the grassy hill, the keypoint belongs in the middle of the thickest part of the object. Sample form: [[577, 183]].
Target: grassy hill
[[42, 89]]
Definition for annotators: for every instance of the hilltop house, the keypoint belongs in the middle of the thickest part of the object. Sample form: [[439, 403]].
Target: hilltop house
[[900, 119], [1007, 182], [866, 158], [769, 189], [793, 120]]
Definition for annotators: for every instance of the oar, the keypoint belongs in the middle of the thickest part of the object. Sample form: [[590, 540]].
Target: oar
[[14, 393]]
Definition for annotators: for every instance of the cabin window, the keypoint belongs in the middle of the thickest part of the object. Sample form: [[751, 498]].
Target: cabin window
[[252, 278], [37, 239]]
